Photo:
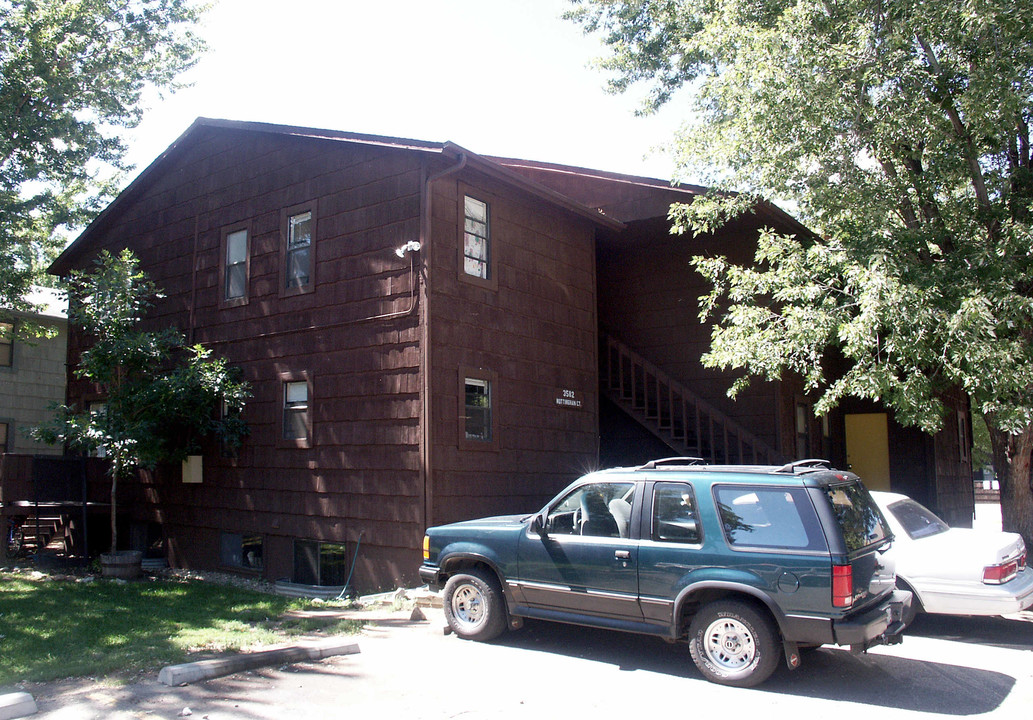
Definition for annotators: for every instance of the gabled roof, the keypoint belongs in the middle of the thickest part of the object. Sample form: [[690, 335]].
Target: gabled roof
[[631, 197], [448, 149]]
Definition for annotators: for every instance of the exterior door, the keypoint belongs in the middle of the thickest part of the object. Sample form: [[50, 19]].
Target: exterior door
[[867, 449]]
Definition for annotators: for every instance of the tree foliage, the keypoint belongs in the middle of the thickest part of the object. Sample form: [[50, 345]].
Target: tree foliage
[[899, 129], [161, 399], [72, 75]]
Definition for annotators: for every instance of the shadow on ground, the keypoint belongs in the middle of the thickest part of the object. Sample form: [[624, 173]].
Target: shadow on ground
[[828, 673]]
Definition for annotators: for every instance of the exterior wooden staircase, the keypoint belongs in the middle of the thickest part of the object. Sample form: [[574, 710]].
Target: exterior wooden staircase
[[675, 414]]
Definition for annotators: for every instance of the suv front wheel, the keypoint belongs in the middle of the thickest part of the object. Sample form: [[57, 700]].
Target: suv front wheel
[[474, 606], [733, 644]]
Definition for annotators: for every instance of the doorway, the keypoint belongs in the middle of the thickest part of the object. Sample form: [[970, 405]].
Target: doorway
[[867, 449]]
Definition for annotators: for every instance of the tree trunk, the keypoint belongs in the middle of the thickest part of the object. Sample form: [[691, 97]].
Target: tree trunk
[[1012, 463]]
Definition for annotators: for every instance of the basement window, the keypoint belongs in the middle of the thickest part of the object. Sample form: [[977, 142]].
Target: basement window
[[241, 551], [320, 563]]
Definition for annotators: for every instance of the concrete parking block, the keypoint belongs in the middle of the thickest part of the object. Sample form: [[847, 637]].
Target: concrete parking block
[[16, 705], [174, 675]]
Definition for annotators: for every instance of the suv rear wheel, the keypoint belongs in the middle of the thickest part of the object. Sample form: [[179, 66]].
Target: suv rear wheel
[[473, 605], [733, 644]]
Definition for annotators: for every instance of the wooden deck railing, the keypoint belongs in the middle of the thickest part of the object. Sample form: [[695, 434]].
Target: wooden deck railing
[[675, 414]]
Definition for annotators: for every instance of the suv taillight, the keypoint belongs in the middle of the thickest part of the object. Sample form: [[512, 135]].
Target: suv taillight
[[842, 586], [426, 547]]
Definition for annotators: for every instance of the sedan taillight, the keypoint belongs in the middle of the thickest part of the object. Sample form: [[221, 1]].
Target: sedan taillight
[[842, 586], [1001, 573]]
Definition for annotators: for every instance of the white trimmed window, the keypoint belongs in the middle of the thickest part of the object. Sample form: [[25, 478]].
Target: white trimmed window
[[235, 280], [295, 410]]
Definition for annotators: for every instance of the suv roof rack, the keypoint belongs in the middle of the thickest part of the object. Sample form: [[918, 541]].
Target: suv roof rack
[[809, 465], [672, 462]]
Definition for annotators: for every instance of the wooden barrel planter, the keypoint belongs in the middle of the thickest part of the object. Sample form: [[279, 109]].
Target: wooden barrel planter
[[124, 564]]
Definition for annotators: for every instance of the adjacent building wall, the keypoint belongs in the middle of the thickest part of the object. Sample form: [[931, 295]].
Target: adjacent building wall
[[34, 379]]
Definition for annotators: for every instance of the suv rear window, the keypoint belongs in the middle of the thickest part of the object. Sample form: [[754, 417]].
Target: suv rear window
[[768, 517], [860, 520]]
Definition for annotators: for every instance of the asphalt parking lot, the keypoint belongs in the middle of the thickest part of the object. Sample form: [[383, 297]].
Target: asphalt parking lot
[[947, 667]]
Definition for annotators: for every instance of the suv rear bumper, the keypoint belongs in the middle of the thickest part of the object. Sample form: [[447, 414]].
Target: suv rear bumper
[[879, 625]]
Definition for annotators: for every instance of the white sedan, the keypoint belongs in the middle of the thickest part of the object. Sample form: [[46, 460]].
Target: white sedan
[[956, 571]]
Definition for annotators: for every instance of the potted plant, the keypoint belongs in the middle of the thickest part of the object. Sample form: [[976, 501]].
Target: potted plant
[[160, 399]]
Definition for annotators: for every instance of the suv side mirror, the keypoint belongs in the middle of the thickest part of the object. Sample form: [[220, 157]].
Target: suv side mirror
[[538, 525]]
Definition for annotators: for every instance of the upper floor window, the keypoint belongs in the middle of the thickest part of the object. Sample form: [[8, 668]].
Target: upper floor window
[[5, 430], [476, 239], [295, 410], [299, 250], [235, 266], [6, 344]]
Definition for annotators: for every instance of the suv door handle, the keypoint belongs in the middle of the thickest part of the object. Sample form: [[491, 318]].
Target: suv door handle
[[623, 555]]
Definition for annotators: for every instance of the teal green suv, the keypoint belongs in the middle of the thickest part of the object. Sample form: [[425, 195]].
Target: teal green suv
[[743, 563]]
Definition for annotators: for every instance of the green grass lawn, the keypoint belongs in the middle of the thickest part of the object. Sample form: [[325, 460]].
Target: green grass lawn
[[59, 628]]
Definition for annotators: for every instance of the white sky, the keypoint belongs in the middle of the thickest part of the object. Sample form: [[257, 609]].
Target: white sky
[[498, 77]]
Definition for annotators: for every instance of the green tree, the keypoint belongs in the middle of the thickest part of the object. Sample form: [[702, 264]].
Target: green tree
[[72, 75], [161, 399], [900, 131]]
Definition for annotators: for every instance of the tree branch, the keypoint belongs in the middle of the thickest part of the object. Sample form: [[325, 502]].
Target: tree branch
[[945, 102]]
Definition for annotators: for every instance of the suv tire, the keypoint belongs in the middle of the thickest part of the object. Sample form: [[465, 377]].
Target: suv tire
[[733, 644], [473, 605]]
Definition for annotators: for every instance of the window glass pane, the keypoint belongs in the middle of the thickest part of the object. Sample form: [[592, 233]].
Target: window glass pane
[[236, 281], [236, 247], [478, 409], [599, 509], [476, 210], [251, 551], [297, 392], [675, 517], [860, 519], [918, 520], [475, 227], [300, 230], [298, 267], [333, 565], [477, 268], [769, 517], [476, 248]]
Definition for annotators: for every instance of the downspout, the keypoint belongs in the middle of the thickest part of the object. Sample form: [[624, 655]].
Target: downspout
[[426, 419]]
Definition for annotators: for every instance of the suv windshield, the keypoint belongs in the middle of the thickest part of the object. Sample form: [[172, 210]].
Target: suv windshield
[[917, 520], [860, 520]]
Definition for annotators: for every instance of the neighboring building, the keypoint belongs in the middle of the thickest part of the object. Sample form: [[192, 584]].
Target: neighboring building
[[429, 335], [32, 372]]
